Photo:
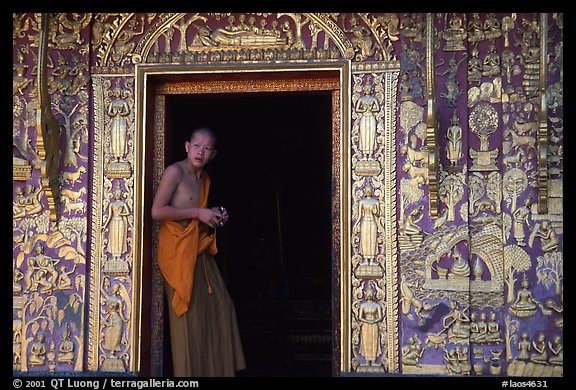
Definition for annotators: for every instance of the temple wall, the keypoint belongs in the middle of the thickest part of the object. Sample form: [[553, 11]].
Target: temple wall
[[451, 185]]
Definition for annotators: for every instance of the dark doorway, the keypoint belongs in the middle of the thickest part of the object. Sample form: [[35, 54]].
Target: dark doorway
[[273, 174]]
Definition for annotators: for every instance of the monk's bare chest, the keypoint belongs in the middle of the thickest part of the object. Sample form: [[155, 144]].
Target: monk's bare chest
[[187, 192]]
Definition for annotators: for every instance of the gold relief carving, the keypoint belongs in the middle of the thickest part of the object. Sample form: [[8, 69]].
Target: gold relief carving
[[368, 108], [120, 112], [41, 272], [454, 140], [117, 222], [373, 215], [116, 313], [112, 221], [483, 122], [248, 37], [38, 351], [38, 316], [70, 40], [515, 260], [370, 222], [413, 351], [17, 336], [277, 85], [66, 349], [370, 314], [409, 300], [451, 191], [27, 203], [454, 34], [538, 358]]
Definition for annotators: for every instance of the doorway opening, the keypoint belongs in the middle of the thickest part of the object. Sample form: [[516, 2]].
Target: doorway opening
[[273, 174]]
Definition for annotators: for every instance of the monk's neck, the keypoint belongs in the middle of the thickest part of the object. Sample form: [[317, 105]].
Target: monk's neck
[[193, 170]]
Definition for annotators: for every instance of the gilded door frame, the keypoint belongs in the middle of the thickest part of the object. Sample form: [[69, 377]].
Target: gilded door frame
[[203, 79]]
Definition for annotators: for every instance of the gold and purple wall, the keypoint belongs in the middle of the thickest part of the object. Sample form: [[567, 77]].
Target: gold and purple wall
[[450, 182]]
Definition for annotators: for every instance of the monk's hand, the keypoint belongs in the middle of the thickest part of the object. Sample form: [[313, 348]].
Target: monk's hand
[[210, 217], [223, 215]]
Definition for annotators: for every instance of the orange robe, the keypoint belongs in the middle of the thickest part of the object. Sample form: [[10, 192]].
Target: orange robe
[[178, 249]]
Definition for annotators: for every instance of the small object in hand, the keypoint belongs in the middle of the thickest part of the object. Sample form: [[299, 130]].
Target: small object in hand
[[222, 210]]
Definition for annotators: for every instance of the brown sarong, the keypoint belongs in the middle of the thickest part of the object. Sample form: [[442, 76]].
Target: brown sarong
[[206, 340]]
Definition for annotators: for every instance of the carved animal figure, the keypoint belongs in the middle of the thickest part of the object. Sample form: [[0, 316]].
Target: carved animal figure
[[72, 177], [522, 140], [409, 300], [483, 205], [73, 195], [414, 171], [414, 155], [525, 127], [514, 158], [73, 207]]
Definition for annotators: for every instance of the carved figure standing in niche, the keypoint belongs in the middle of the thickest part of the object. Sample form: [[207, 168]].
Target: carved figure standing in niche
[[524, 347], [66, 349], [540, 356], [524, 306], [520, 218], [114, 321], [370, 314], [369, 214], [454, 138], [367, 106], [38, 351], [557, 358], [117, 220], [200, 308], [118, 110]]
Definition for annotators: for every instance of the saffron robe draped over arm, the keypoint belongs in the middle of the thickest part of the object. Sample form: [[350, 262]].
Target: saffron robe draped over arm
[[178, 249]]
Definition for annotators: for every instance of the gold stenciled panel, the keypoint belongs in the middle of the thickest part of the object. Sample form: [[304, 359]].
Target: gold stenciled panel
[[112, 316], [374, 319]]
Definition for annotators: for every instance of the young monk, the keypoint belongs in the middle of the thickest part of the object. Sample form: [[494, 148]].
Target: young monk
[[203, 326]]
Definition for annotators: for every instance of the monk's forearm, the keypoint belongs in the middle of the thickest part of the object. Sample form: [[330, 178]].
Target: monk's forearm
[[171, 213]]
